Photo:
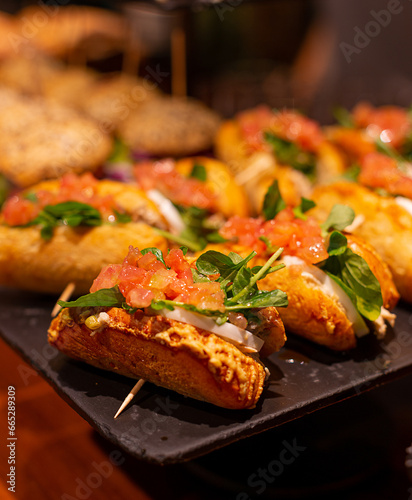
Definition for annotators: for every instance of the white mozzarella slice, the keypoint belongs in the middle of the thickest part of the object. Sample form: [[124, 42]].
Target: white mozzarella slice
[[331, 288], [227, 331], [169, 211]]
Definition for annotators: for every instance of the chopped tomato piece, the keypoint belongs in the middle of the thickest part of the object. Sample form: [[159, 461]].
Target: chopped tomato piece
[[139, 297], [143, 278], [287, 124], [107, 278], [390, 123], [381, 171], [18, 210], [301, 238], [163, 176]]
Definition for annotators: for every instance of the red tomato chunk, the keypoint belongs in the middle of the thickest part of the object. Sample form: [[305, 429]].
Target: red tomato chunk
[[18, 210], [300, 238], [143, 278]]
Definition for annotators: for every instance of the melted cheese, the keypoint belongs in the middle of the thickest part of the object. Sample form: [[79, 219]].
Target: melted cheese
[[331, 288], [238, 336]]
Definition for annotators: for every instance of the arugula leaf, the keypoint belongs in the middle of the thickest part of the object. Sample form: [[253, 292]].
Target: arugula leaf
[[337, 243], [352, 173], [339, 217], [199, 172], [275, 298], [31, 197], [106, 297], [228, 266], [305, 205], [273, 202], [268, 244], [71, 213], [122, 218], [343, 117], [288, 153], [199, 230], [354, 276], [155, 251]]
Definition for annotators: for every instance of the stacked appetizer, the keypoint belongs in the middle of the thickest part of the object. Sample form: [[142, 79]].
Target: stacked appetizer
[[338, 287], [196, 329]]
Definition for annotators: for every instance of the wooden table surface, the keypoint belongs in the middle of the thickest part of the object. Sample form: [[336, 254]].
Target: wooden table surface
[[60, 457]]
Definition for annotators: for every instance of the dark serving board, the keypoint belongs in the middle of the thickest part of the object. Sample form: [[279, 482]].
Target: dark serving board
[[163, 427]]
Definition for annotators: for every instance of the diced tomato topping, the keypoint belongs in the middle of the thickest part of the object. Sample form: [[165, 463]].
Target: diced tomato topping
[[18, 210], [139, 297], [143, 278], [163, 176], [287, 124], [390, 123], [300, 238], [381, 171], [107, 278]]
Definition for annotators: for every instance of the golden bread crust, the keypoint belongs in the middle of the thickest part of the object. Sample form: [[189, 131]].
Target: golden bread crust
[[41, 139], [311, 312], [77, 255], [170, 126], [386, 226], [168, 353]]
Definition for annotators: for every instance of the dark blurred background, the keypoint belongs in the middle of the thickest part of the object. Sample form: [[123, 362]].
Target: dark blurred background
[[309, 54]]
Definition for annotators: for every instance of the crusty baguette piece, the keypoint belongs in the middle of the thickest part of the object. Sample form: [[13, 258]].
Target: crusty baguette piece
[[29, 262], [168, 353], [311, 312], [314, 314], [385, 225], [76, 255]]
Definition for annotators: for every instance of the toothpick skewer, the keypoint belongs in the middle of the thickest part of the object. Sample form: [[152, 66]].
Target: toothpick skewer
[[66, 294], [130, 396], [178, 57]]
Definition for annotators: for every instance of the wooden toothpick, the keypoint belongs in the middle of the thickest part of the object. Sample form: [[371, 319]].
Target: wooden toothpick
[[130, 396], [66, 294]]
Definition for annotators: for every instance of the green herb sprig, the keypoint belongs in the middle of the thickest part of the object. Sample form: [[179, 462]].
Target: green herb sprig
[[70, 213], [288, 153]]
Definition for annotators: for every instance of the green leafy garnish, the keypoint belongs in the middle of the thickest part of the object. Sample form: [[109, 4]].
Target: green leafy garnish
[[343, 117], [288, 153], [305, 205], [352, 173], [106, 297], [273, 202], [338, 219], [70, 213], [199, 172], [155, 251], [199, 229], [352, 273], [238, 281]]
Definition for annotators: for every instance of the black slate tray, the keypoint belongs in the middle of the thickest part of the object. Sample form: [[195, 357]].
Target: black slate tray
[[163, 427]]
